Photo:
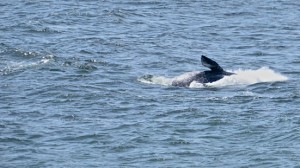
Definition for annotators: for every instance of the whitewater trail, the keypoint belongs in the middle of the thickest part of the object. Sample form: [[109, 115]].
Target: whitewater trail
[[241, 77], [12, 67]]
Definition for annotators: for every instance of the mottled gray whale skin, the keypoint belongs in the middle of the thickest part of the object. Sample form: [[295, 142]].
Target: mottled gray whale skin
[[216, 73]]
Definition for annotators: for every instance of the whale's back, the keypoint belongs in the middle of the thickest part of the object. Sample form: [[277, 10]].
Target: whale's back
[[185, 79], [215, 73]]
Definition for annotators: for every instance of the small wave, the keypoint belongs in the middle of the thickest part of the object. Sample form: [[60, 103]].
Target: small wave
[[42, 30], [241, 77]]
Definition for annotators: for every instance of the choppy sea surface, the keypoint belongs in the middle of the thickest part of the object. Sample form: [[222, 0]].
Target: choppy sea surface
[[74, 90]]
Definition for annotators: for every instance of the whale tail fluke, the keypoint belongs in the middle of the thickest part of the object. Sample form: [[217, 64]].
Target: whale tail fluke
[[209, 63]]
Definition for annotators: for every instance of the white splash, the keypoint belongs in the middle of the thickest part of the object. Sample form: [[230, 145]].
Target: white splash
[[241, 77], [249, 77], [158, 80]]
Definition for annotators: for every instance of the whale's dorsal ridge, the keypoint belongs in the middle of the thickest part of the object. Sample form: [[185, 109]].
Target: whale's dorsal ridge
[[209, 63]]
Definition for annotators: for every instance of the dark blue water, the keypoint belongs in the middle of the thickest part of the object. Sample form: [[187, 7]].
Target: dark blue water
[[71, 94]]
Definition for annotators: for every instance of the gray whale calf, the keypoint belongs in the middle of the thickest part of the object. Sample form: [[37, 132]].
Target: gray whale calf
[[215, 73]]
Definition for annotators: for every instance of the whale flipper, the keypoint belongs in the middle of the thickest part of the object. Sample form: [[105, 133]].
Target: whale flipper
[[216, 73], [210, 64]]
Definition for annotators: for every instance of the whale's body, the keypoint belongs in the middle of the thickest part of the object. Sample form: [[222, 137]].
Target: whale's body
[[216, 73]]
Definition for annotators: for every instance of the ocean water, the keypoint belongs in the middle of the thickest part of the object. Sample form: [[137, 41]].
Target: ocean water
[[74, 88]]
